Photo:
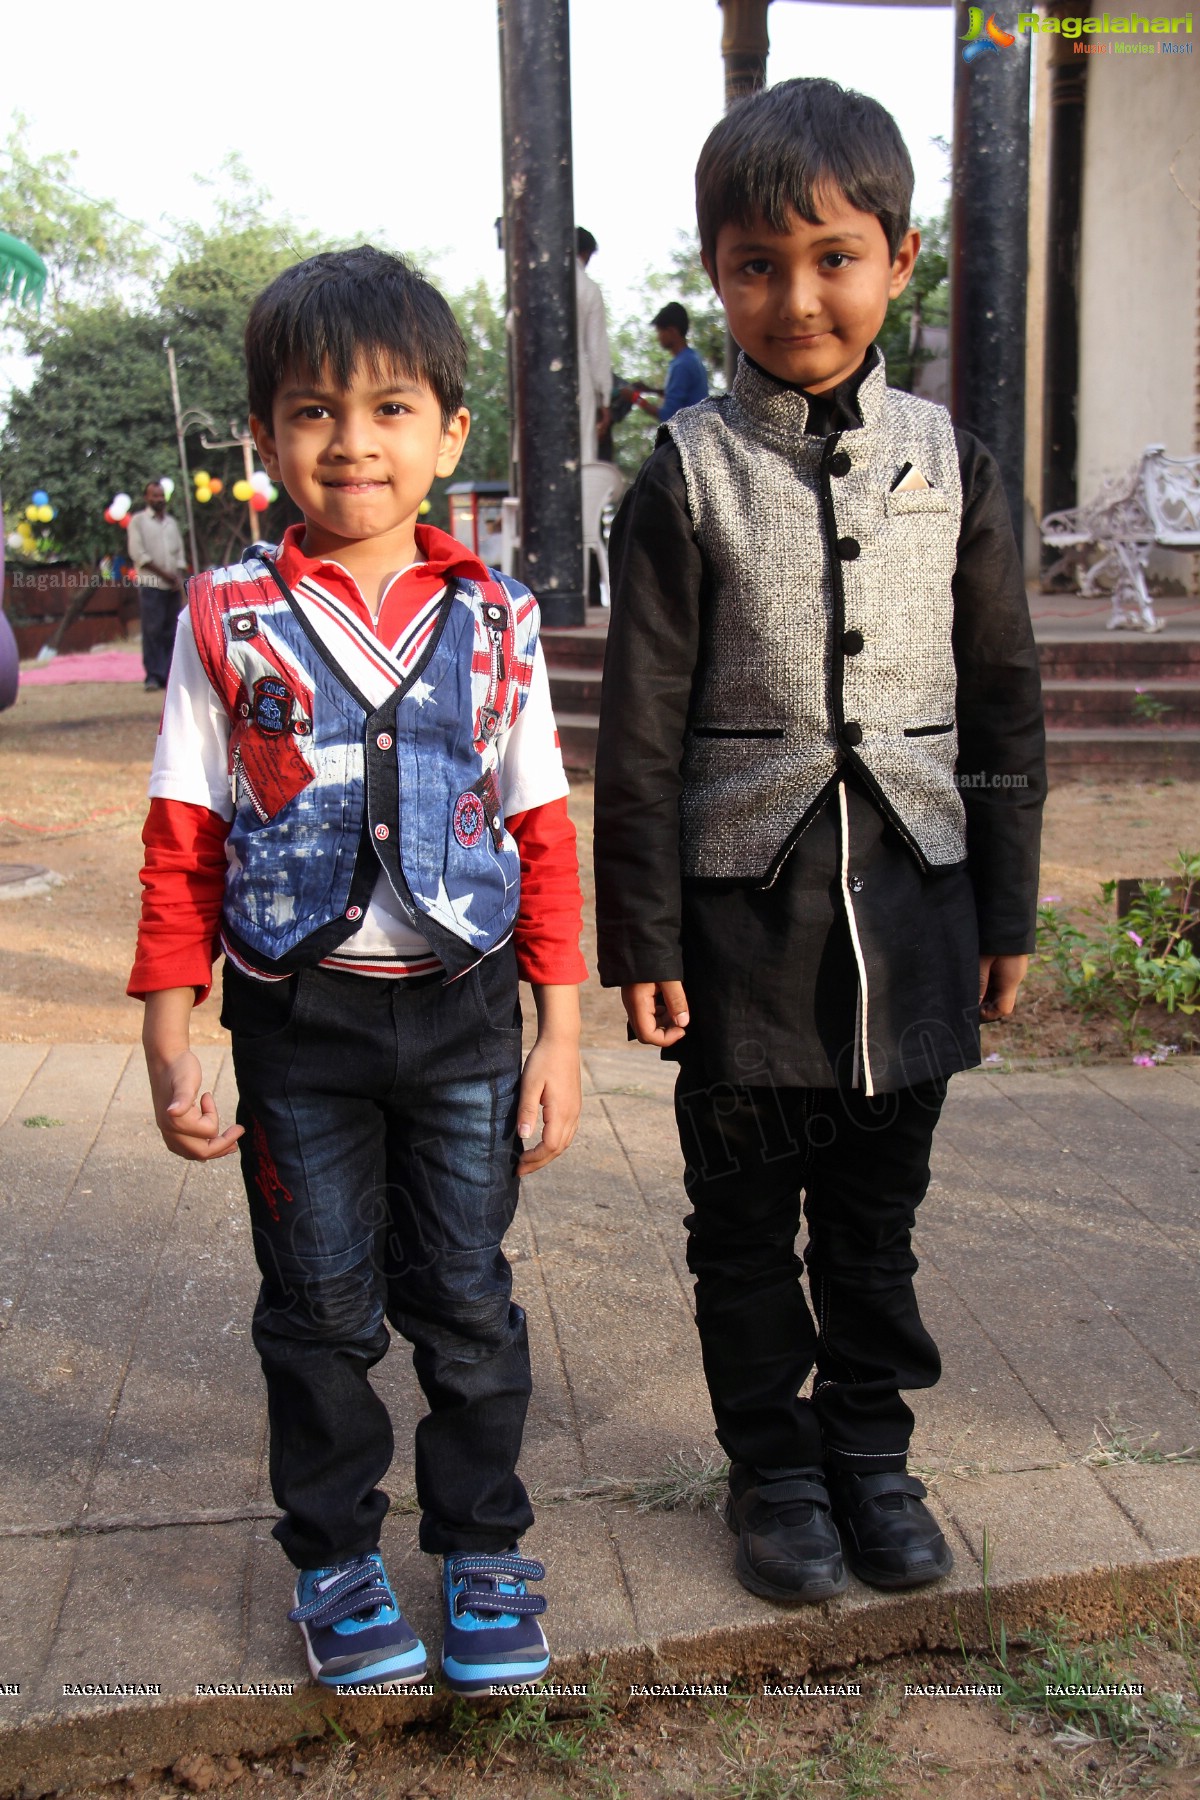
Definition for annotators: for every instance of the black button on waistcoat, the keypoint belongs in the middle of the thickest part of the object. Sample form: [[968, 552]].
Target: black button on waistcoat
[[848, 548], [852, 733], [852, 642], [839, 463]]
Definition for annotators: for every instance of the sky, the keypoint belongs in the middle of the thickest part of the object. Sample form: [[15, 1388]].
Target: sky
[[384, 118]]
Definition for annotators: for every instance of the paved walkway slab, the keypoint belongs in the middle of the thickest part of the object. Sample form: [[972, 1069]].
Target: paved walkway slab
[[1059, 1245]]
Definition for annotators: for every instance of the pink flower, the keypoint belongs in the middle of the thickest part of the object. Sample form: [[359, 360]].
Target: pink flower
[[1137, 940], [1144, 1062], [1050, 900]]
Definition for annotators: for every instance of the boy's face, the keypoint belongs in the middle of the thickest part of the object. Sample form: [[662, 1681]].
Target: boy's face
[[807, 302], [359, 460]]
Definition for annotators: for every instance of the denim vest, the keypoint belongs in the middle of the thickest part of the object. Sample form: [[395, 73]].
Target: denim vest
[[328, 787]]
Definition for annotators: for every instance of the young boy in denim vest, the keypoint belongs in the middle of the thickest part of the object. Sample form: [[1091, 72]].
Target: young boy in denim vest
[[358, 794], [818, 795]]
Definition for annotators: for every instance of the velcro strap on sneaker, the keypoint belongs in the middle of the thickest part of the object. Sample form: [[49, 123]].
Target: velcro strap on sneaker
[[355, 1592], [795, 1487], [494, 1602], [888, 1481]]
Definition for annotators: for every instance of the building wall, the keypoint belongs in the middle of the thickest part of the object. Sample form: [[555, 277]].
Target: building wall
[[1139, 375]]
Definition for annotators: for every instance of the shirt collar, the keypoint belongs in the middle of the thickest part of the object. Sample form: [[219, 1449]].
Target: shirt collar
[[438, 552], [783, 409]]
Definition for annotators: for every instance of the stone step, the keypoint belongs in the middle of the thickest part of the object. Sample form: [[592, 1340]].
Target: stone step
[[1113, 705], [1147, 753], [577, 733], [577, 646], [1120, 656], [575, 691]]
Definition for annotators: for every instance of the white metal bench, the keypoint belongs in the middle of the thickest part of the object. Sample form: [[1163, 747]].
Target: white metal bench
[[1154, 504]]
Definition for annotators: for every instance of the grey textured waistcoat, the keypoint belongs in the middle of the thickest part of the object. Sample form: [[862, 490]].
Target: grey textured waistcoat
[[825, 631]]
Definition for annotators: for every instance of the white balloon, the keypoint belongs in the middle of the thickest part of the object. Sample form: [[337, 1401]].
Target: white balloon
[[120, 505], [167, 486], [261, 481]]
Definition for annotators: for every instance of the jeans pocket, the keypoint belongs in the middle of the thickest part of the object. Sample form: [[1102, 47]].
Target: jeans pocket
[[497, 991], [256, 1010]]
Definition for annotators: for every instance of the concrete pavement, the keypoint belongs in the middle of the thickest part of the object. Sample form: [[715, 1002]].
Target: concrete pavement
[[1059, 1247]]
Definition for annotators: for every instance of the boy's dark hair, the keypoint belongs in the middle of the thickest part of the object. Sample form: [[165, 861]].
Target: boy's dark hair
[[773, 152], [585, 243], [671, 314], [341, 307]]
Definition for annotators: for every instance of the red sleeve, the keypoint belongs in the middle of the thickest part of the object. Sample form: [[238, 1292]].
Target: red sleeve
[[551, 917], [183, 883]]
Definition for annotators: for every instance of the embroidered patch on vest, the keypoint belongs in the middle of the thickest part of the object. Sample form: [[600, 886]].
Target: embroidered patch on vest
[[272, 705], [470, 820]]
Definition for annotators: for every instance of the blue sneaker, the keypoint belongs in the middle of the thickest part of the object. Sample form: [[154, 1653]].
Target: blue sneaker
[[352, 1627], [492, 1635]]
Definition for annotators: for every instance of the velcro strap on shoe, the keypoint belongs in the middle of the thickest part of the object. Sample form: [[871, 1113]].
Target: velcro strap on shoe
[[888, 1481], [356, 1593], [494, 1603], [795, 1487]]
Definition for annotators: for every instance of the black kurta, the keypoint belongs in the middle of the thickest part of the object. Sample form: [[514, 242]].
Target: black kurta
[[771, 973]]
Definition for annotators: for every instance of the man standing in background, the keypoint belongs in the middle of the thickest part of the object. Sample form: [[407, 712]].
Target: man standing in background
[[687, 378], [156, 551], [595, 358]]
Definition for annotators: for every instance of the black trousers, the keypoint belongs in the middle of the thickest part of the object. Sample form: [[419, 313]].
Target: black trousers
[[862, 1167], [159, 608]]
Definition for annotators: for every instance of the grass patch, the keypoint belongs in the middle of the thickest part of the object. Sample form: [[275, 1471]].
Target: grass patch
[[1117, 1445], [691, 1482], [41, 1122], [526, 1721]]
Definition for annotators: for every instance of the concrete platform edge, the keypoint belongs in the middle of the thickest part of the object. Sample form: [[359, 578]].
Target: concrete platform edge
[[42, 1755]]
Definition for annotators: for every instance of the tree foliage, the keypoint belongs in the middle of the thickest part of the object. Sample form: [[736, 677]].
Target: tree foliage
[[91, 253]]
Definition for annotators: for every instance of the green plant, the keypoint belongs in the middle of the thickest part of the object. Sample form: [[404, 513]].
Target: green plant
[[1115, 967], [1148, 709], [1116, 1444], [41, 1122], [526, 1720]]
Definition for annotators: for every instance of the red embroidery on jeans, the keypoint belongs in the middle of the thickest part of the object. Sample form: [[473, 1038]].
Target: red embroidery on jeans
[[269, 1184]]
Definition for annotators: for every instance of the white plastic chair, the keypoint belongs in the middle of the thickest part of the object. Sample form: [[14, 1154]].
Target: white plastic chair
[[602, 486]]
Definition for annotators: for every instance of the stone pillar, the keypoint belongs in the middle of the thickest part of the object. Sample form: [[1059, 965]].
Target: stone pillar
[[989, 211], [1064, 219], [539, 236], [744, 45]]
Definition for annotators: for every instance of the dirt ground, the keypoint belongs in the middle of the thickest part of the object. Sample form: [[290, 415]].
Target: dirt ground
[[74, 761], [752, 1746]]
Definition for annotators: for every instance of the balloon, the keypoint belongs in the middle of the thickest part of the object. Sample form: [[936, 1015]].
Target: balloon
[[31, 512], [203, 496], [259, 502], [45, 514], [242, 490], [41, 497], [260, 481], [108, 516], [272, 492], [167, 486], [120, 504], [215, 486], [423, 508], [201, 478]]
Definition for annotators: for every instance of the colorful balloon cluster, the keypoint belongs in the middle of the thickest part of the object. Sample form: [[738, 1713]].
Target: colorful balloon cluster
[[38, 512], [206, 486], [117, 512], [258, 492]]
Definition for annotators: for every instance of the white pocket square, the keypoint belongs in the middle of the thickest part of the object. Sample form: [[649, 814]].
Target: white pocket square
[[912, 482]]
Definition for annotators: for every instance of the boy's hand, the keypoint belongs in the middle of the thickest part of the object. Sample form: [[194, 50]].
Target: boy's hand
[[656, 1010], [186, 1117], [999, 979], [551, 1077]]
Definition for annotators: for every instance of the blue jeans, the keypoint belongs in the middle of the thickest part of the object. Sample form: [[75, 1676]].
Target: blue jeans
[[379, 1159]]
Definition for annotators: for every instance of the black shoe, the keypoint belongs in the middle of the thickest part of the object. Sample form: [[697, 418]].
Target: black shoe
[[152, 685], [891, 1539], [788, 1545]]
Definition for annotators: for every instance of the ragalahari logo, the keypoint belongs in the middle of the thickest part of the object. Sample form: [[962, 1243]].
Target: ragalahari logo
[[980, 38]]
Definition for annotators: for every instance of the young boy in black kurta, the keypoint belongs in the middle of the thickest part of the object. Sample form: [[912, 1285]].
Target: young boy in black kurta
[[818, 797]]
